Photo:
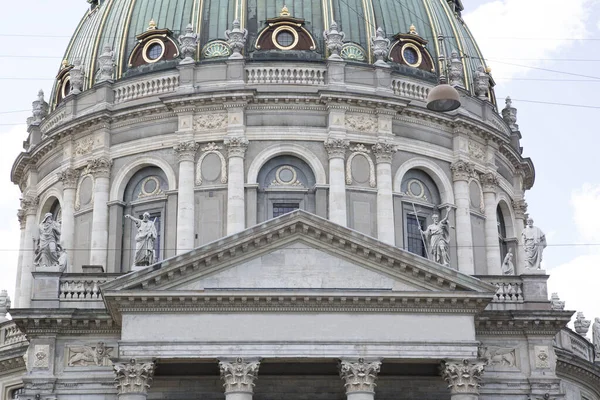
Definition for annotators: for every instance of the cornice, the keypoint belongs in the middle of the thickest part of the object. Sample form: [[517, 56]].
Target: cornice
[[578, 370], [521, 322], [68, 321], [15, 362]]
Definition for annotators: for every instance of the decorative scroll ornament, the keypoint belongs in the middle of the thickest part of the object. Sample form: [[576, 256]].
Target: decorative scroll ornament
[[456, 73], [239, 376], [489, 182], [188, 44], [100, 167], [69, 178], [462, 170], [520, 208], [359, 376], [211, 148], [384, 151], [186, 151], [236, 146], [336, 148], [39, 109], [582, 325], [351, 51], [216, 48], [476, 151], [482, 83], [77, 75], [362, 151], [106, 64], [83, 356], [555, 303], [362, 123], [463, 376], [334, 40], [236, 39], [509, 115], [210, 121], [133, 377], [381, 47], [29, 204]]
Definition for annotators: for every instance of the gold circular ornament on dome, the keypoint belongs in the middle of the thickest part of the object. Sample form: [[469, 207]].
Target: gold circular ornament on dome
[[286, 175], [153, 51], [285, 38], [411, 55]]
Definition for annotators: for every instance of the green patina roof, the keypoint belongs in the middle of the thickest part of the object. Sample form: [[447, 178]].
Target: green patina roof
[[117, 22]]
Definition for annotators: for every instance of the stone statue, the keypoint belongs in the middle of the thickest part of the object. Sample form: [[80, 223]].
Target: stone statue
[[381, 47], [236, 38], [188, 44], [87, 355], [482, 83], [438, 238], [555, 303], [39, 109], [595, 336], [77, 76], [456, 73], [507, 265], [334, 40], [106, 64], [582, 325], [49, 252], [534, 243], [5, 305], [509, 115], [144, 240]]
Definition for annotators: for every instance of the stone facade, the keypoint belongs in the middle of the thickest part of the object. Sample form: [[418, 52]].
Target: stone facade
[[290, 261]]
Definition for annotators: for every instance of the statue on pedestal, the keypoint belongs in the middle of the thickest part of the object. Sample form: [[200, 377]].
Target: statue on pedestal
[[49, 252], [507, 265], [144, 240], [438, 238], [596, 336], [534, 243]]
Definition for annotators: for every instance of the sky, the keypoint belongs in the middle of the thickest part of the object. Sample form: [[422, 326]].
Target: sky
[[523, 41]]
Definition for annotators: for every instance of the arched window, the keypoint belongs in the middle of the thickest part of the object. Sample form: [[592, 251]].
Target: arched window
[[145, 192], [501, 234], [285, 184], [420, 200]]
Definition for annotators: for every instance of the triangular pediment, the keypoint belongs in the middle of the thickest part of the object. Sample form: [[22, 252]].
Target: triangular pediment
[[298, 251]]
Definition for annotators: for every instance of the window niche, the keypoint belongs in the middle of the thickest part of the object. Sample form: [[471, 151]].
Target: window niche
[[285, 183], [145, 192]]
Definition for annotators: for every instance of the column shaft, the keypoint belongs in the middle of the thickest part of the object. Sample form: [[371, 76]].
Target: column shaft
[[99, 242], [492, 246], [185, 207], [22, 218], [69, 178], [337, 180], [520, 209], [462, 172], [236, 203], [385, 202], [27, 261]]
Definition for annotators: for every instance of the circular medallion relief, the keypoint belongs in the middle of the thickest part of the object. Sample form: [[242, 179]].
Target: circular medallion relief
[[150, 187], [286, 175], [416, 189]]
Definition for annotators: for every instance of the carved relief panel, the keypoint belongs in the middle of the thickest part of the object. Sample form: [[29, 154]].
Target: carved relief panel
[[94, 355]]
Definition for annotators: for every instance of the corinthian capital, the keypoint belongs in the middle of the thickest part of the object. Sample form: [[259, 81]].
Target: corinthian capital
[[462, 170], [133, 377], [236, 146], [29, 204], [384, 152], [463, 376], [489, 182], [68, 177], [336, 148], [100, 167], [186, 151], [359, 376], [239, 375], [520, 208]]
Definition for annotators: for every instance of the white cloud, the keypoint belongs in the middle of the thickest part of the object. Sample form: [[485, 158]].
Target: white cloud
[[548, 25], [577, 280]]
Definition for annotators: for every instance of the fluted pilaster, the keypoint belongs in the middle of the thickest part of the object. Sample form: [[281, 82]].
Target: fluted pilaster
[[384, 153], [236, 206], [186, 152], [336, 149], [462, 172]]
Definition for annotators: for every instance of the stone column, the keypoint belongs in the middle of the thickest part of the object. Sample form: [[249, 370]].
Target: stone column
[[336, 149], [236, 204], [133, 379], [384, 152], [359, 378], [22, 219], [520, 209], [461, 173], [29, 205], [69, 178], [186, 151], [238, 378], [463, 378], [100, 169], [489, 182]]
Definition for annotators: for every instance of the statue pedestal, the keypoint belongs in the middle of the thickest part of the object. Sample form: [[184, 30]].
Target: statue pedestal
[[535, 291], [531, 271], [46, 285], [135, 268]]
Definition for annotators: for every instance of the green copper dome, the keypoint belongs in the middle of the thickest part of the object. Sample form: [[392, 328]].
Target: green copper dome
[[117, 23]]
